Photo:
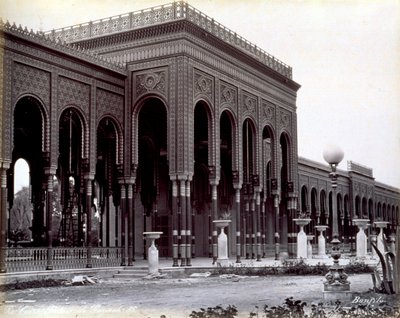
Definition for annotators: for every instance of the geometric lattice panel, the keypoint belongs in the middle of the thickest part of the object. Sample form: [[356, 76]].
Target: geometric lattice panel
[[30, 80]]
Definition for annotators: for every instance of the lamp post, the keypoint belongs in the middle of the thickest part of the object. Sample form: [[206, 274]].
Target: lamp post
[[336, 285]]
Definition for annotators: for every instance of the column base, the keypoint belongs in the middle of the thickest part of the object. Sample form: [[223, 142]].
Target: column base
[[49, 268]]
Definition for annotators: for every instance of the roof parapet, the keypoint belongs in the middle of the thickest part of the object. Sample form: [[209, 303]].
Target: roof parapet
[[360, 169], [178, 10]]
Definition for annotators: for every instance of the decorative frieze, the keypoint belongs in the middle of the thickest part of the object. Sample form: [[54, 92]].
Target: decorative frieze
[[268, 112], [228, 96], [151, 81], [249, 104], [285, 120], [203, 85]]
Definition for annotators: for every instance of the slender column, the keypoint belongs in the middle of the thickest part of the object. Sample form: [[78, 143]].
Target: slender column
[[258, 226], [188, 226], [193, 241], [131, 224], [263, 217], [214, 204], [245, 232], [253, 226], [237, 201], [175, 243], [89, 222], [123, 224], [49, 201], [3, 219], [182, 200], [210, 229], [277, 236]]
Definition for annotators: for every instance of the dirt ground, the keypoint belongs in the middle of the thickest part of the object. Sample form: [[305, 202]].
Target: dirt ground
[[175, 298]]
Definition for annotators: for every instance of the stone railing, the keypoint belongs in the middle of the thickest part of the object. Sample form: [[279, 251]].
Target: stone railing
[[35, 259], [178, 10]]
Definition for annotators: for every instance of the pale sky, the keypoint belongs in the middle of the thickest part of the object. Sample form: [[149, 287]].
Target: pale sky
[[344, 54]]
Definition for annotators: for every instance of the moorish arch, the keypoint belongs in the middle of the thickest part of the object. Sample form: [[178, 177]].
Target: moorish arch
[[347, 228], [357, 206], [203, 202], [364, 208], [270, 221], [249, 217], [29, 143], [70, 172], [152, 208], [107, 187], [314, 214], [287, 226], [323, 206]]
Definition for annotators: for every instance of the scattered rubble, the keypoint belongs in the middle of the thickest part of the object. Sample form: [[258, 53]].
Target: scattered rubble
[[155, 276], [81, 280], [206, 274]]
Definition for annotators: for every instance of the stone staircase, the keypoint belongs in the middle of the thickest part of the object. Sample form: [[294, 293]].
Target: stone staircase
[[132, 273]]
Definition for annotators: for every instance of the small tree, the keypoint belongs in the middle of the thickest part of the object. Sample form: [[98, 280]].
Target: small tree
[[21, 216]]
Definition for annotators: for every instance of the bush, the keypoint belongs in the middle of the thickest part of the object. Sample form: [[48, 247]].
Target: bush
[[215, 312], [357, 268], [299, 267]]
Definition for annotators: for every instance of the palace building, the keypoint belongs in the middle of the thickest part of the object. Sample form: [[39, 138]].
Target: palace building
[[161, 120]]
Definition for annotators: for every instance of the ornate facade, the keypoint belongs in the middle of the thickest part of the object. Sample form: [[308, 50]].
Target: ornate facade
[[162, 120]]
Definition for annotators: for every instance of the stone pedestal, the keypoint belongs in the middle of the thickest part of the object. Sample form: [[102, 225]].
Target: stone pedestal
[[302, 238], [309, 245], [152, 256], [321, 241], [380, 240], [361, 240], [222, 258]]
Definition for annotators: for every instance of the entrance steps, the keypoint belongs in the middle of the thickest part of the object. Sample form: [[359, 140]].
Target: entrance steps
[[132, 272]]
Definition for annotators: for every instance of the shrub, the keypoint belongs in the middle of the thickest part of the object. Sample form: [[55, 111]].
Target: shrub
[[357, 268], [215, 312]]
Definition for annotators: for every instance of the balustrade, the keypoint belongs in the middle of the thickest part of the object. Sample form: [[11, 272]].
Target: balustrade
[[178, 10], [35, 259]]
